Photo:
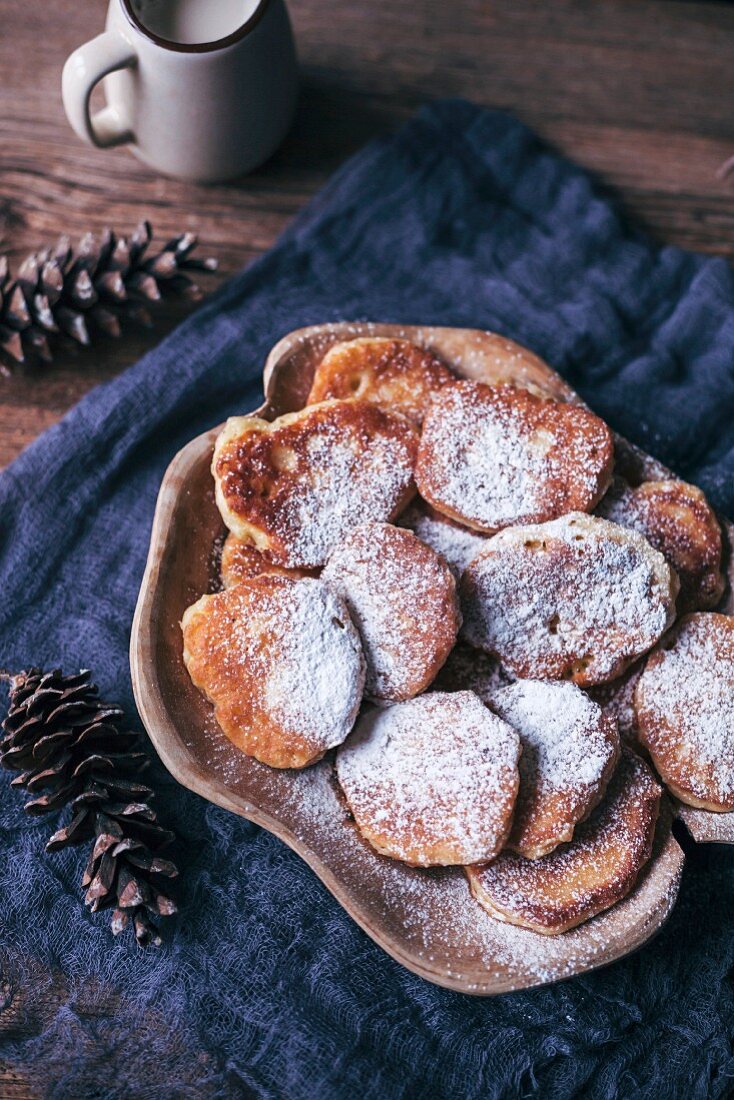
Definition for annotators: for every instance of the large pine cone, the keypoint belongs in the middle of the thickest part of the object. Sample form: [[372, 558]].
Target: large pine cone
[[68, 745]]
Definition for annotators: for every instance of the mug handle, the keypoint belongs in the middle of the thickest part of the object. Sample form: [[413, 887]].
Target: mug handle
[[107, 53]]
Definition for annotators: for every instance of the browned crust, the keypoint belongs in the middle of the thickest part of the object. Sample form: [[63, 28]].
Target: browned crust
[[261, 468], [691, 781], [236, 691], [577, 452], [409, 842], [588, 662], [578, 880], [241, 562], [677, 520], [393, 373], [420, 853], [542, 823]]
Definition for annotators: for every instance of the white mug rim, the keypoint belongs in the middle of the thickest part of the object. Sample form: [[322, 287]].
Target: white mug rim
[[196, 47]]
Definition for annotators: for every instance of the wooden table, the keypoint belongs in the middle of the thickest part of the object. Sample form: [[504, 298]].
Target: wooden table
[[642, 92]]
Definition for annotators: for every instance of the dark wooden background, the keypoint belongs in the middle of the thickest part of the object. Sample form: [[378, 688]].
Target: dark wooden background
[[642, 92]]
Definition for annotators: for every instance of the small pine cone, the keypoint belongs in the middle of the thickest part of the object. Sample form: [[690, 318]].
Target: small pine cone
[[65, 294], [70, 747]]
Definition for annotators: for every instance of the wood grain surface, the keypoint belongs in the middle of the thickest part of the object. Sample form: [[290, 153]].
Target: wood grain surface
[[641, 92]]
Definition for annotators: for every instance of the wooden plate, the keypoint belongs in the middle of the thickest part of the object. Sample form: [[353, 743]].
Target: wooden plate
[[425, 920]]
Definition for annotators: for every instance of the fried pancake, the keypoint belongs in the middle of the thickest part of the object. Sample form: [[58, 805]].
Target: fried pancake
[[402, 598], [569, 751], [241, 562], [293, 487], [393, 373], [578, 598], [678, 521], [617, 699], [282, 663], [595, 870], [432, 781], [496, 456], [685, 710], [470, 669], [457, 544]]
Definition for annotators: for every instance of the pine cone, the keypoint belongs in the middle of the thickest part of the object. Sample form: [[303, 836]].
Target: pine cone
[[62, 294], [65, 742]]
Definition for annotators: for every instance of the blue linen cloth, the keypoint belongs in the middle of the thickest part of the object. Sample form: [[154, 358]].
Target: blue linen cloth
[[264, 986]]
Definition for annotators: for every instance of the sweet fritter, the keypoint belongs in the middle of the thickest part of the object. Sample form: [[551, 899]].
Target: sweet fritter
[[685, 710], [292, 488], [595, 870], [402, 598], [394, 373], [432, 781], [569, 751], [282, 663], [457, 544], [495, 456], [242, 562], [578, 598], [678, 521]]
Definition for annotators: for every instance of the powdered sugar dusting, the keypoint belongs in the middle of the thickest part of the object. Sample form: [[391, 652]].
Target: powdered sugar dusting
[[432, 780], [576, 598], [440, 924], [495, 456], [440, 921], [685, 707], [402, 598], [432, 909], [297, 486], [311, 686], [341, 495], [569, 750], [281, 661], [678, 521], [439, 914], [457, 544], [597, 868]]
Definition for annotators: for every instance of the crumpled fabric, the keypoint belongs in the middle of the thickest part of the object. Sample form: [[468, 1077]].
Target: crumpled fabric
[[264, 986]]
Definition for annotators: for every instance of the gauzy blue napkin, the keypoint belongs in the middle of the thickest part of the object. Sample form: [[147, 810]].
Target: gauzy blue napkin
[[265, 987]]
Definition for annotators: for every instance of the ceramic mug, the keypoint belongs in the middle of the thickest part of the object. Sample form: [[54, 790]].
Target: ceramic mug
[[200, 89]]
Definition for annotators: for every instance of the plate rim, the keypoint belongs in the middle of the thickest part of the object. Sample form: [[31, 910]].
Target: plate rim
[[178, 760]]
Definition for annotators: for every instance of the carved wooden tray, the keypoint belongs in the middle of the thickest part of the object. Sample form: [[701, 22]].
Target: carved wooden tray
[[426, 920]]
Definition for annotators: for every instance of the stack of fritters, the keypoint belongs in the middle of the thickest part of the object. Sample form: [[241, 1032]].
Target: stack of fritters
[[450, 583]]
